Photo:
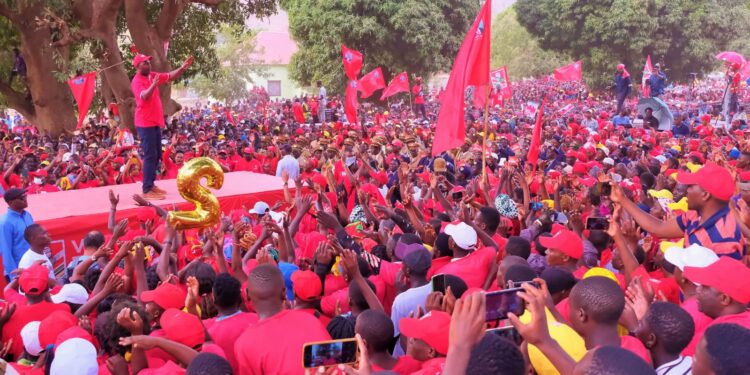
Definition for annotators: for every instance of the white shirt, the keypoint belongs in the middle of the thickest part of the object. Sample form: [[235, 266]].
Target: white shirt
[[30, 257], [404, 303], [680, 366], [289, 164]]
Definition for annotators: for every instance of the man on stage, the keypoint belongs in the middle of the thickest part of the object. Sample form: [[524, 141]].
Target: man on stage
[[149, 117]]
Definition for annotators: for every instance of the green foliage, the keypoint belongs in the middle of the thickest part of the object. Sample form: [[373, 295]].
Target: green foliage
[[419, 36], [515, 48], [684, 35], [234, 49]]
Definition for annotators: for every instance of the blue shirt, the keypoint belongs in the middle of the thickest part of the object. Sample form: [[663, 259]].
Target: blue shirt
[[13, 243], [621, 120]]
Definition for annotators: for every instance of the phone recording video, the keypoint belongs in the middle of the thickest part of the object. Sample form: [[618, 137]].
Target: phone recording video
[[520, 283], [597, 223], [509, 332], [503, 302], [329, 353], [438, 283]]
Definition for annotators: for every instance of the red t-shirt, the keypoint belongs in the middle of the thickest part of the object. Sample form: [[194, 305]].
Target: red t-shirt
[[290, 330], [148, 112], [473, 268], [406, 365], [226, 331], [701, 321], [742, 319], [636, 346], [249, 165], [23, 315]]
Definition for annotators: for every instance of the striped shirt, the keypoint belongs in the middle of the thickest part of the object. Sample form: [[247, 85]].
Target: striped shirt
[[720, 232], [680, 366]]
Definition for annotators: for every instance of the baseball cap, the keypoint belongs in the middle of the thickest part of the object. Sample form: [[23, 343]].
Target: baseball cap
[[34, 280], [712, 178], [260, 208], [166, 296], [306, 285], [692, 256], [71, 293], [431, 328], [30, 338], [727, 275], [182, 327], [663, 193], [139, 58], [565, 241], [54, 324], [419, 260], [463, 235], [13, 194], [75, 356], [402, 249]]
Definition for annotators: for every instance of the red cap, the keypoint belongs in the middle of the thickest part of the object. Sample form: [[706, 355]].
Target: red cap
[[53, 325], [139, 58], [565, 241], [458, 189], [431, 328], [580, 168], [307, 285], [182, 327], [247, 150], [712, 178], [34, 280], [40, 173], [166, 295], [726, 275]]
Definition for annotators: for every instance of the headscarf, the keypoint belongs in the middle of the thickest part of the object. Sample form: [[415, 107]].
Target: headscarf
[[505, 205], [625, 73]]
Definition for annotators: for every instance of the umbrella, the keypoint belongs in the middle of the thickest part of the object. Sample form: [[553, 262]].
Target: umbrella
[[731, 57], [660, 111]]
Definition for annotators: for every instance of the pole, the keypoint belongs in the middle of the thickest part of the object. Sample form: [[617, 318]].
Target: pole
[[484, 138]]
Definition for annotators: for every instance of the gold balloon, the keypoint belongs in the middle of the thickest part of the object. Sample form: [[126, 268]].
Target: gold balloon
[[207, 211]]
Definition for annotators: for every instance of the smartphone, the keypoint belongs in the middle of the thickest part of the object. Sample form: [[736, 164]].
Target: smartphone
[[520, 283], [438, 283], [605, 189], [329, 353], [597, 223], [502, 302], [509, 332]]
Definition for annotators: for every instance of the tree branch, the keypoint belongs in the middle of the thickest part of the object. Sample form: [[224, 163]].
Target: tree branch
[[211, 3], [6, 12], [167, 18], [17, 100]]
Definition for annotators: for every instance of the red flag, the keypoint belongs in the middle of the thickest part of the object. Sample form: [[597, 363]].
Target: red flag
[[371, 82], [230, 119], [83, 91], [647, 70], [399, 83], [536, 138], [352, 61], [480, 96], [501, 83], [471, 67], [350, 104], [572, 72]]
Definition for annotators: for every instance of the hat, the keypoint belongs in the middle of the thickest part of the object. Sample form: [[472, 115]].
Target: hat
[[260, 208], [247, 150], [139, 58], [30, 337], [34, 280], [75, 356], [13, 194], [663, 193], [182, 327], [712, 178], [71, 293], [727, 275], [306, 285], [166, 296], [565, 241], [54, 324], [439, 165], [692, 256], [599, 271], [431, 328], [419, 260], [402, 250], [463, 235]]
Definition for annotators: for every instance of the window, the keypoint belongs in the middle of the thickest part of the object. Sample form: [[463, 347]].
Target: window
[[274, 88]]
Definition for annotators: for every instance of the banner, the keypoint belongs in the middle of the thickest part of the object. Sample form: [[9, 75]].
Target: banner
[[350, 103], [647, 70], [501, 83], [83, 91], [371, 82]]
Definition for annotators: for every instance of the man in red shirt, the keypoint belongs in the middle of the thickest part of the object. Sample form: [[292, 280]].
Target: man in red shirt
[[289, 329], [149, 117], [248, 162], [419, 98]]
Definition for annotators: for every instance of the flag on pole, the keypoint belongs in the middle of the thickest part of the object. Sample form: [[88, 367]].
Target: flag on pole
[[350, 103], [352, 61], [399, 83], [471, 67], [371, 82], [572, 72], [501, 83], [83, 91], [647, 70], [536, 138]]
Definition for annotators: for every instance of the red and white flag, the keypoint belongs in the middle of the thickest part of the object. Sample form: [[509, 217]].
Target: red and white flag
[[83, 91], [371, 82], [572, 72], [501, 83], [647, 71], [352, 61], [471, 67], [399, 83], [351, 103]]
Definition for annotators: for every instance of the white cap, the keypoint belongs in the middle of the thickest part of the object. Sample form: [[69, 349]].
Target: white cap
[[30, 337], [66, 156], [661, 158], [609, 161], [568, 169], [71, 293], [260, 208], [75, 356], [691, 256], [463, 235]]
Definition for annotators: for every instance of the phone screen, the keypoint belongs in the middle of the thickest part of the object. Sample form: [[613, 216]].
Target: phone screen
[[509, 332], [438, 283], [502, 302], [597, 223], [329, 353]]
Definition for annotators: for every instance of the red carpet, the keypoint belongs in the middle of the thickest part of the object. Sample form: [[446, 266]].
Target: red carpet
[[69, 215]]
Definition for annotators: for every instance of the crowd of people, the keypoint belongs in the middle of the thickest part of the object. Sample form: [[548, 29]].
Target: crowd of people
[[628, 244]]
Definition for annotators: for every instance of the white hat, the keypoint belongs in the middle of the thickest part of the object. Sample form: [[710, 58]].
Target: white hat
[[463, 235], [30, 337], [66, 156], [71, 293], [691, 256], [661, 158], [75, 356], [260, 208], [609, 161]]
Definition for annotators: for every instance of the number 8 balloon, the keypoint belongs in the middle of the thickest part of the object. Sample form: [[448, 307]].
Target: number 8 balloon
[[207, 210]]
